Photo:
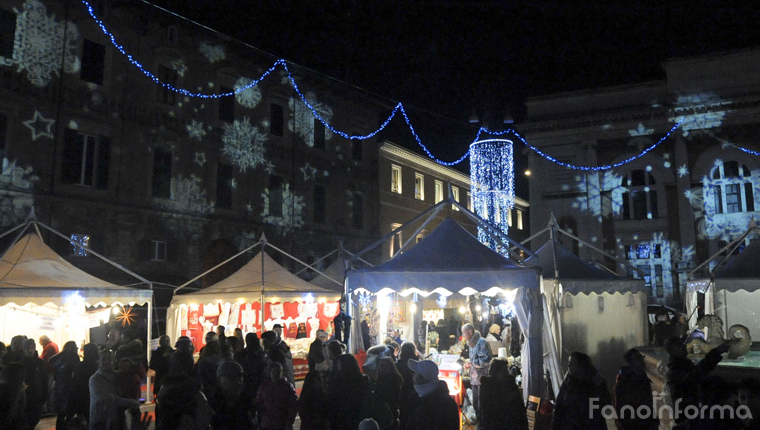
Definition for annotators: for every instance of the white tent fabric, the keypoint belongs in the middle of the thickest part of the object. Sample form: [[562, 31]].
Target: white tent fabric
[[336, 270], [31, 272]]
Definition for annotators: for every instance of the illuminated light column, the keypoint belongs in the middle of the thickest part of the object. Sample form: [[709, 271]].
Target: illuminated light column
[[493, 186]]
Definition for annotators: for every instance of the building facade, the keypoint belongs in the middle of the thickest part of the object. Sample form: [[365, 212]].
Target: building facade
[[166, 184], [664, 205], [410, 183]]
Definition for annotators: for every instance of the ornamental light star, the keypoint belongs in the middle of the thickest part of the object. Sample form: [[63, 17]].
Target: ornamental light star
[[308, 172], [40, 126], [126, 317], [683, 171]]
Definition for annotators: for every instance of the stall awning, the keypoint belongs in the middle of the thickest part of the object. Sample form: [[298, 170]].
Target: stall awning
[[246, 285], [579, 277], [741, 271], [31, 272], [449, 260]]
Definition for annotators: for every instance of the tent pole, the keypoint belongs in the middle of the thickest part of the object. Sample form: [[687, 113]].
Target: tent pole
[[13, 229], [263, 254], [493, 231], [535, 236], [149, 395], [712, 257], [299, 261], [216, 267], [311, 266], [18, 236], [584, 243], [418, 230]]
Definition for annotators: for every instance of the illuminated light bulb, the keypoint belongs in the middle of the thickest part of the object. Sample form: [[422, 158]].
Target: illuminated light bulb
[[413, 307], [478, 308], [493, 186], [115, 310], [462, 310], [527, 173]]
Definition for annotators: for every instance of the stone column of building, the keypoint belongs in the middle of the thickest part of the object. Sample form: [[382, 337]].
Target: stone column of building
[[686, 226], [592, 222]]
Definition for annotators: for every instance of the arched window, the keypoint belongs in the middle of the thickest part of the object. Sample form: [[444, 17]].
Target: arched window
[[639, 198], [732, 188]]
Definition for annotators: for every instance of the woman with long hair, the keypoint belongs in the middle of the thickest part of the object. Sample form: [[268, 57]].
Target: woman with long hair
[[64, 364]]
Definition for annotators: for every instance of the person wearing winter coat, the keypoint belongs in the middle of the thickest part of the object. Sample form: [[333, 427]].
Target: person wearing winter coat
[[312, 404], [345, 390], [106, 406], [234, 408], [316, 356], [582, 390], [479, 359], [254, 364], [12, 396], [63, 364], [277, 350], [277, 401], [436, 410], [409, 400], [160, 361], [633, 389], [205, 369], [501, 402], [383, 388], [36, 383], [182, 360], [79, 396]]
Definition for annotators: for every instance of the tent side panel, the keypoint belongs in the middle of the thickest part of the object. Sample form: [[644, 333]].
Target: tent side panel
[[741, 307]]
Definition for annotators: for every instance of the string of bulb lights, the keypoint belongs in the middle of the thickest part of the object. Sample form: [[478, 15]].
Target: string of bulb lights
[[398, 108]]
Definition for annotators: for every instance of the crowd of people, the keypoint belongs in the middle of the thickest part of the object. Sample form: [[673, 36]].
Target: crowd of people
[[248, 383]]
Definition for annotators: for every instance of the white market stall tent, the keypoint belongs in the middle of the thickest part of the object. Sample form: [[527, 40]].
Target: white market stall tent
[[732, 289], [261, 293], [451, 262], [597, 312], [43, 294]]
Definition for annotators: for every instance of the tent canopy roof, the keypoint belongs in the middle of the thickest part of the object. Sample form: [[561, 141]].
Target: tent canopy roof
[[247, 283], [579, 277], [449, 260], [31, 272], [741, 271], [335, 271]]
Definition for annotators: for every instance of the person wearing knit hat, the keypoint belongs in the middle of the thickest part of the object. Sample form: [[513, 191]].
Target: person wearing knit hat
[[233, 406], [436, 409]]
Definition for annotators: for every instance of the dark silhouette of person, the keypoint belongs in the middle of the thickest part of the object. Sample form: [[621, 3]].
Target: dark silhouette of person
[[313, 405], [64, 364], [233, 407], [277, 401], [161, 361], [582, 389], [254, 364], [633, 389], [409, 400], [35, 378], [436, 409], [182, 360], [79, 397], [501, 402], [345, 391]]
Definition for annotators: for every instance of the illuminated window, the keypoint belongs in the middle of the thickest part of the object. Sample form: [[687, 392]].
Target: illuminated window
[[78, 241], [275, 196], [320, 204], [93, 62], [509, 217], [438, 191], [469, 201], [7, 33], [276, 119], [162, 173], [357, 220], [357, 150], [396, 179], [650, 259], [226, 105], [455, 193], [519, 219], [158, 250], [168, 76], [419, 186], [639, 198], [224, 185], [397, 241], [732, 188], [319, 134], [86, 159]]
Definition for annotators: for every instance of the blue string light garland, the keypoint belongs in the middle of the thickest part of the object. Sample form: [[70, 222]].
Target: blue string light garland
[[399, 107]]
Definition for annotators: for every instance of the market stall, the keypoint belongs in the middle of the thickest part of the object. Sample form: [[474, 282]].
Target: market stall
[[450, 263], [261, 293], [732, 289], [43, 294], [599, 313]]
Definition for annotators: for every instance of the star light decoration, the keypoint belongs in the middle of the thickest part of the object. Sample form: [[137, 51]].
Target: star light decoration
[[200, 158], [127, 316], [40, 126], [493, 185], [308, 172], [683, 171]]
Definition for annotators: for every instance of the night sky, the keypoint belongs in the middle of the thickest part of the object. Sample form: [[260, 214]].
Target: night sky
[[442, 58]]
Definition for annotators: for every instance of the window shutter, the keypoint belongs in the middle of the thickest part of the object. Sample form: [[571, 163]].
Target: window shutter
[[104, 163], [73, 145]]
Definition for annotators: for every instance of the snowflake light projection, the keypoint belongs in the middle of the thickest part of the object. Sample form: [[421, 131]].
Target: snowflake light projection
[[200, 158], [640, 131], [40, 126], [14, 205], [292, 210], [655, 257], [699, 111], [180, 67], [683, 171], [603, 197], [246, 240], [41, 43], [308, 172], [188, 195], [244, 144], [213, 53], [195, 130], [493, 185], [249, 97], [302, 120]]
